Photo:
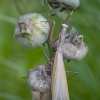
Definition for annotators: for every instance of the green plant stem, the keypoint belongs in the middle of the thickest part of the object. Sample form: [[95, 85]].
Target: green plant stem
[[51, 54]]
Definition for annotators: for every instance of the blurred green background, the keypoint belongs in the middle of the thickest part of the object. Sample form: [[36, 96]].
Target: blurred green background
[[15, 61]]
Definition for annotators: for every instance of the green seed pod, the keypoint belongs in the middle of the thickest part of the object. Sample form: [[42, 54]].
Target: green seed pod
[[31, 30], [71, 3], [60, 5]]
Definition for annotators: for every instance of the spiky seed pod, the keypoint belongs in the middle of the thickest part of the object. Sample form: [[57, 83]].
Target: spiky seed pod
[[74, 48], [40, 78], [64, 4], [31, 30]]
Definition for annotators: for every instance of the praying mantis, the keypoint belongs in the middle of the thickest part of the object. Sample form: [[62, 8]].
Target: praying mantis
[[59, 86]]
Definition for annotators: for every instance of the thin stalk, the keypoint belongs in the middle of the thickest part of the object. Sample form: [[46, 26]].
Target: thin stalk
[[51, 54], [41, 96], [68, 17]]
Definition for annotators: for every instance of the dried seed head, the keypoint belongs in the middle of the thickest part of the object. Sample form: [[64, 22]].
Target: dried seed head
[[74, 52], [64, 4], [74, 48], [40, 78], [31, 30]]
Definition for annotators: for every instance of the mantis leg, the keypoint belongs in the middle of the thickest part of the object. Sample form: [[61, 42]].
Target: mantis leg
[[51, 29], [54, 40], [75, 73], [51, 53], [68, 17], [50, 37]]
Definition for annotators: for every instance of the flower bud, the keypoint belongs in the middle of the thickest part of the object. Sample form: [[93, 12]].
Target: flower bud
[[73, 48], [40, 78], [31, 30]]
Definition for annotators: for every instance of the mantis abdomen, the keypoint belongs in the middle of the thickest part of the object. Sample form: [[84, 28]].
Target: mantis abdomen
[[59, 87]]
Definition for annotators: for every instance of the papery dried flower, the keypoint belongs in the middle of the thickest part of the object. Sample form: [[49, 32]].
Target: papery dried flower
[[73, 48], [75, 52], [60, 5], [31, 30], [40, 78]]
